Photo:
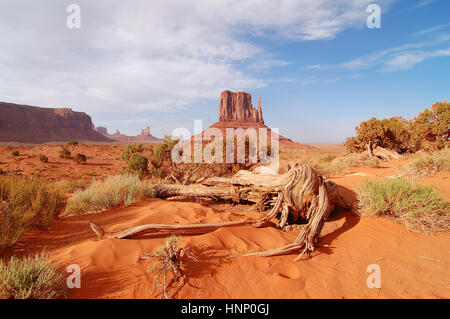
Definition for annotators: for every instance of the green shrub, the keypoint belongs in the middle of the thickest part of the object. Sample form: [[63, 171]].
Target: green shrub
[[64, 152], [419, 207], [32, 277], [112, 192], [135, 163], [15, 153], [131, 149], [23, 204], [43, 158], [80, 158]]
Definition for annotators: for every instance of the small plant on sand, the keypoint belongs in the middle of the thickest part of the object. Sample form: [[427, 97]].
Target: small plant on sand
[[15, 153], [43, 158], [23, 204], [80, 158], [169, 259], [64, 152], [33, 277], [111, 192], [418, 206]]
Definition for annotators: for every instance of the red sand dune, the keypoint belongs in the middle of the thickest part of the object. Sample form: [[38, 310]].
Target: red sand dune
[[413, 265]]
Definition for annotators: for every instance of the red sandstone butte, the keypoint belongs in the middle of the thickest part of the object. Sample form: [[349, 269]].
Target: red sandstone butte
[[237, 111], [145, 135], [32, 124]]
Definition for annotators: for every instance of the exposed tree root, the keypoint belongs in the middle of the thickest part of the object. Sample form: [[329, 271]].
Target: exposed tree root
[[299, 194]]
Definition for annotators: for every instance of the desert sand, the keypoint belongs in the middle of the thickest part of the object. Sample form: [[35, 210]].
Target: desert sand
[[413, 265]]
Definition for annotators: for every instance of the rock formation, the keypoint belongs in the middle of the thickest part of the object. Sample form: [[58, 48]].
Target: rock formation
[[236, 111], [102, 130], [32, 124], [145, 135], [237, 107]]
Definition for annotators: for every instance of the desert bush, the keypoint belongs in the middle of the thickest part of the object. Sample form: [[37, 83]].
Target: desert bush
[[111, 192], [33, 277], [43, 158], [131, 149], [24, 204], [390, 133], [429, 164], [417, 206], [162, 157], [430, 130], [135, 163], [64, 152], [15, 153], [72, 143], [80, 158]]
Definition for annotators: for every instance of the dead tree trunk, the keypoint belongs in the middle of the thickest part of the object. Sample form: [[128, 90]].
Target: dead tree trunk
[[298, 194]]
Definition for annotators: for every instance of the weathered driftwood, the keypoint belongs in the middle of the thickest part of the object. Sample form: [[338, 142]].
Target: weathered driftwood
[[298, 194], [384, 153]]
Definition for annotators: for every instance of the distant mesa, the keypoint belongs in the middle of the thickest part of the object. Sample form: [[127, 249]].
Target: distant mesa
[[102, 130], [237, 107], [33, 124], [237, 111], [145, 135]]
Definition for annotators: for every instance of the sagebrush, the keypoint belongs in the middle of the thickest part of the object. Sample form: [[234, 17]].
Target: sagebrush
[[123, 189], [419, 207], [429, 164], [34, 277], [25, 203]]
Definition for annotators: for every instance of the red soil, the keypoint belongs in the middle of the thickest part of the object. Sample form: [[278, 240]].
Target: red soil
[[413, 265]]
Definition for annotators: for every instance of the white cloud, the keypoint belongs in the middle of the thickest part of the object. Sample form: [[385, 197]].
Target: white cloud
[[152, 55], [398, 58], [423, 3], [431, 30]]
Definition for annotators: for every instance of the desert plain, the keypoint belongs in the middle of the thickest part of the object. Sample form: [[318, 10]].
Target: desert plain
[[413, 264]]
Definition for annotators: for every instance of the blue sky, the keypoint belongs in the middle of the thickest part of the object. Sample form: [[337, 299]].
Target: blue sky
[[317, 66]]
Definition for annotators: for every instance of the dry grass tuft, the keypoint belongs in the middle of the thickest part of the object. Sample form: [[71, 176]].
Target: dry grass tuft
[[32, 277], [23, 204], [170, 259], [429, 164], [417, 206], [112, 192]]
